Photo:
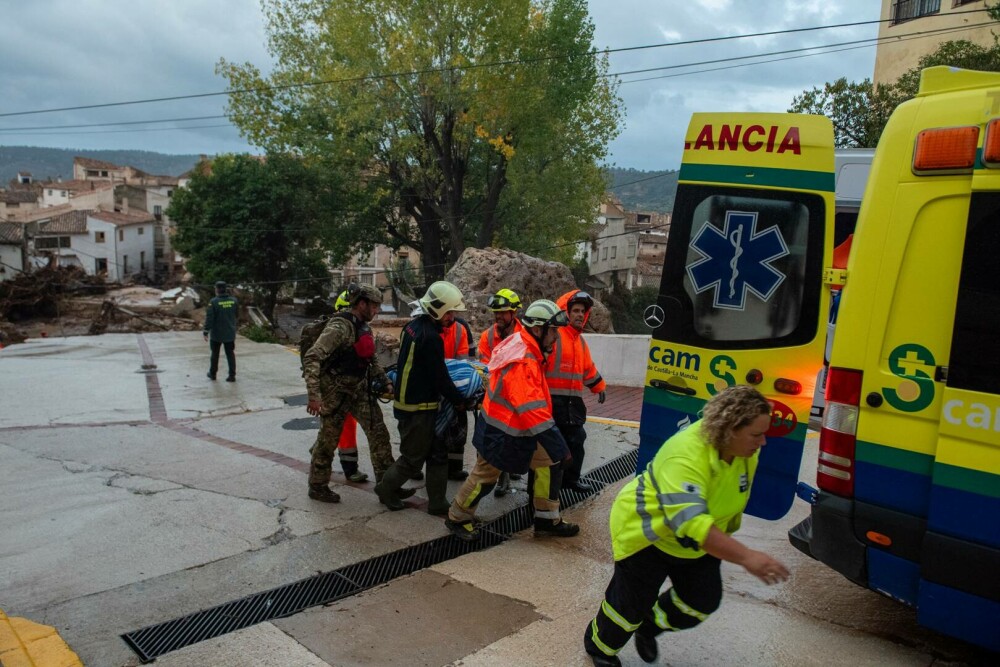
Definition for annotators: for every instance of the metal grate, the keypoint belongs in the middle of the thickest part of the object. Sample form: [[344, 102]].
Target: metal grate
[[156, 640]]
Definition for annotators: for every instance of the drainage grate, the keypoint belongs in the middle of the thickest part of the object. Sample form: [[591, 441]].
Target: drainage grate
[[156, 640]]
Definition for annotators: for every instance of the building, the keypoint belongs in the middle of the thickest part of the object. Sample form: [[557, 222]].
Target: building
[[79, 194], [13, 202], [153, 195], [629, 248], [116, 244], [378, 267], [900, 49], [85, 168], [13, 250]]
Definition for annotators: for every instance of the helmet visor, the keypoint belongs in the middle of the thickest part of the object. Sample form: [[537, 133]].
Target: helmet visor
[[560, 319], [499, 302]]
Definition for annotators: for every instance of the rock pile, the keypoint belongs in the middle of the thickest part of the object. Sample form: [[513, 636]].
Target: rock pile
[[479, 273]]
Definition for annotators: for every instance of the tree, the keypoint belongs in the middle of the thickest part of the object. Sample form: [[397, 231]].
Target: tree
[[859, 111], [259, 222], [466, 122]]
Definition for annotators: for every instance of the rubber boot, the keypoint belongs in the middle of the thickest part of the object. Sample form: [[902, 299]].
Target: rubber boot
[[388, 488], [437, 487], [455, 471]]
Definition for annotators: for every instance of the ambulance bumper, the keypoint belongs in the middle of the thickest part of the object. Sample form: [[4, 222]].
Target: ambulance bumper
[[827, 535]]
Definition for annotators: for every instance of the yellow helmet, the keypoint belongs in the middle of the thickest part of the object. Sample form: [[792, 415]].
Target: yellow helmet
[[343, 301], [504, 299], [441, 297]]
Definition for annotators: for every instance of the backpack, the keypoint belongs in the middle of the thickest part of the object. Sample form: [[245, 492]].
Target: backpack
[[307, 338]]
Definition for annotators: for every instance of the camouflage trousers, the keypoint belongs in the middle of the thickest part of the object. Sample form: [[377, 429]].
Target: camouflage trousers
[[342, 396]]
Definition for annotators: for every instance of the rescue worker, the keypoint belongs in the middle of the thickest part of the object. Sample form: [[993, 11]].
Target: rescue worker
[[515, 431], [220, 330], [570, 371], [422, 381], [347, 445], [676, 520], [337, 369], [504, 304], [457, 338]]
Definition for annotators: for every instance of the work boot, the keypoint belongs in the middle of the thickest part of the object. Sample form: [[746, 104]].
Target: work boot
[[357, 477], [210, 376], [458, 475], [646, 647], [601, 660], [437, 487], [436, 508], [463, 530], [555, 528], [322, 493], [388, 489], [580, 486], [231, 378]]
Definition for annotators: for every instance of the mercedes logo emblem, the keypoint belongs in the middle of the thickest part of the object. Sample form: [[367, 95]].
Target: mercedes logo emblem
[[653, 316]]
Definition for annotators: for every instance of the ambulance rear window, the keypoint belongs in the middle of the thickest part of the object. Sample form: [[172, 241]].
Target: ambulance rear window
[[975, 353], [743, 267]]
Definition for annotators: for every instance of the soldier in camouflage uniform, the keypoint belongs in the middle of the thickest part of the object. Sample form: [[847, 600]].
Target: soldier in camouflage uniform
[[338, 370]]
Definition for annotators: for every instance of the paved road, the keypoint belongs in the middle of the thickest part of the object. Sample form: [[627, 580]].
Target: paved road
[[133, 497]]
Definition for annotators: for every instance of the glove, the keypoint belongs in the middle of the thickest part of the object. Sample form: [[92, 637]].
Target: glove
[[601, 397]]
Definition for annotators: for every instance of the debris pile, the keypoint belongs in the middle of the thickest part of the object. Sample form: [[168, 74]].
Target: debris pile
[[38, 294]]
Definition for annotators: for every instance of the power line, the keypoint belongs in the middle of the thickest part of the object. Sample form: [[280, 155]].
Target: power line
[[432, 70]]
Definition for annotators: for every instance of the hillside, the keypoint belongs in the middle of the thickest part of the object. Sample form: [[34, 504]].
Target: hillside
[[644, 190], [43, 163]]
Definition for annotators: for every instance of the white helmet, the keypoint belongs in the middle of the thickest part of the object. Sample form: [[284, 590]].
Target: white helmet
[[440, 298], [544, 313]]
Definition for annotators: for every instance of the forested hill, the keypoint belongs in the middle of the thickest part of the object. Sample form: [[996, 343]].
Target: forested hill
[[43, 163], [644, 190]]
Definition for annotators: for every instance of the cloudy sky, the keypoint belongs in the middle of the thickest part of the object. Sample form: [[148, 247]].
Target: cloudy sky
[[72, 53]]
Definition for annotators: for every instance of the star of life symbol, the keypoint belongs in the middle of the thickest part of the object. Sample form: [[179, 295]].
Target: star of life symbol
[[737, 260]]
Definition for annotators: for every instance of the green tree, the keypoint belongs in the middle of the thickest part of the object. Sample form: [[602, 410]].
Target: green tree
[[859, 111], [261, 222], [467, 122]]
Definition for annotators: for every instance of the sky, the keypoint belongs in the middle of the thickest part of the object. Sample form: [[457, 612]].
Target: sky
[[71, 53]]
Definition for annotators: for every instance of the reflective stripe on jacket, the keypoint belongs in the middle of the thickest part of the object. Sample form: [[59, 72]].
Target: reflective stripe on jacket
[[422, 375], [517, 410], [570, 369], [682, 493]]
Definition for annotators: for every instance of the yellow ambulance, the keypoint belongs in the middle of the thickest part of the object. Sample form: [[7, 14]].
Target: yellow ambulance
[[909, 453]]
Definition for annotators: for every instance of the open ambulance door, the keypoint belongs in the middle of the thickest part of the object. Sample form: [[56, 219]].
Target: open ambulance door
[[744, 296]]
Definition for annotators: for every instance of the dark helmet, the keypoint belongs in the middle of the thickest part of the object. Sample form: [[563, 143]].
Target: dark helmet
[[581, 297]]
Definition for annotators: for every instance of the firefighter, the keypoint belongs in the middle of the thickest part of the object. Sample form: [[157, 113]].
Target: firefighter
[[347, 446], [504, 304], [570, 372], [676, 520], [337, 369], [515, 431], [421, 383]]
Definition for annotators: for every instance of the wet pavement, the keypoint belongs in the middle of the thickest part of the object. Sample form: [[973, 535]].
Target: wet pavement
[[131, 496]]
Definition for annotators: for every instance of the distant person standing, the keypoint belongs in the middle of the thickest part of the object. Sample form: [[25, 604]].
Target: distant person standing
[[220, 330]]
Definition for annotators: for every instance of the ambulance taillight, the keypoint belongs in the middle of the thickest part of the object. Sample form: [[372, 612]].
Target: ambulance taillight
[[838, 436]]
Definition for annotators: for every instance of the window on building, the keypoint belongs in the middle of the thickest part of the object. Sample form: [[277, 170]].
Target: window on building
[[52, 242], [604, 253], [104, 174], [121, 234], [170, 193], [125, 264], [157, 211], [142, 260], [593, 257], [614, 251], [98, 237], [141, 231], [905, 10], [367, 278], [49, 192], [101, 265], [158, 253], [631, 249]]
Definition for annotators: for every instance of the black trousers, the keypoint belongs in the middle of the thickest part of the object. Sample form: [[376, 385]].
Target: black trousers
[[633, 602], [575, 437], [213, 364]]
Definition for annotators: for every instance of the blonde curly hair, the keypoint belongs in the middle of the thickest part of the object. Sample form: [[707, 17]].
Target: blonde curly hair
[[731, 409]]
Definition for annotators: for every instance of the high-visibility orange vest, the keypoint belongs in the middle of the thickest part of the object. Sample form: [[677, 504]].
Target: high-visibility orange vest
[[456, 341], [570, 371], [517, 400], [490, 338]]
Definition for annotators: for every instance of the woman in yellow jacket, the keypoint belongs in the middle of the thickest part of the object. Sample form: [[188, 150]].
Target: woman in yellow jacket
[[676, 520]]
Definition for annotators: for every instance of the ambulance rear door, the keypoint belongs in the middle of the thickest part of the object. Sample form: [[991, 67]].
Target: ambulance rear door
[[743, 292]]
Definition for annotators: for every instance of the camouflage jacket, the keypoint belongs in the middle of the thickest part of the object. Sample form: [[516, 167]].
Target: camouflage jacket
[[338, 334]]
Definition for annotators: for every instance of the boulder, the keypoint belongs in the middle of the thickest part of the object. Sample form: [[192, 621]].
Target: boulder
[[480, 272]]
